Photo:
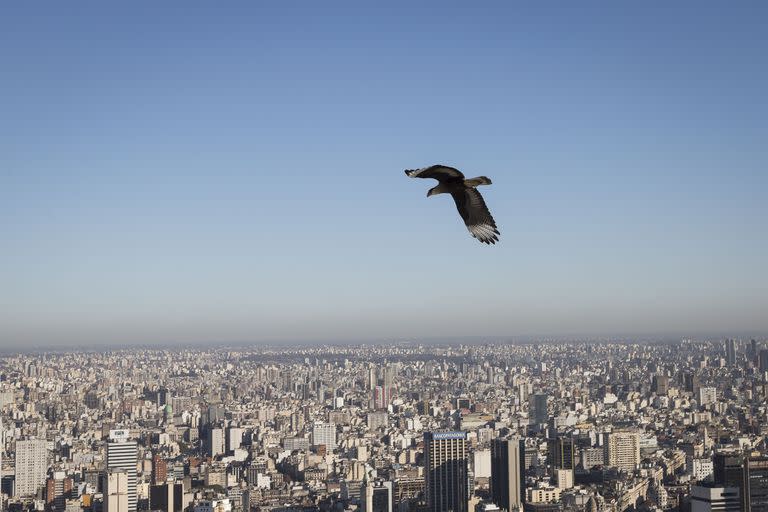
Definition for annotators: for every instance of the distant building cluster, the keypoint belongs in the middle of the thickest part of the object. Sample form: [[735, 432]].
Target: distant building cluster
[[583, 427]]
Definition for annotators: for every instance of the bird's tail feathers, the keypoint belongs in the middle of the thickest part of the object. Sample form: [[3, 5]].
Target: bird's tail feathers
[[475, 182]]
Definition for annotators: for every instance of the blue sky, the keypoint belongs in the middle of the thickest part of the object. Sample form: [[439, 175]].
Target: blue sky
[[195, 172]]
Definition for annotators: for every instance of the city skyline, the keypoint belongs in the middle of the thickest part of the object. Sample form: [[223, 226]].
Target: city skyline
[[193, 174], [221, 290], [557, 427]]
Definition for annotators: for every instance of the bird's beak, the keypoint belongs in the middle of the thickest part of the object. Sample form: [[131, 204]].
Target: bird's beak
[[430, 192]]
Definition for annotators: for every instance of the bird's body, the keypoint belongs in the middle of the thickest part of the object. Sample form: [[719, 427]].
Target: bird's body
[[469, 202]]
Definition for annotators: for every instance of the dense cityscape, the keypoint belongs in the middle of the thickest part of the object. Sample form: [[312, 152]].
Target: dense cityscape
[[609, 426]]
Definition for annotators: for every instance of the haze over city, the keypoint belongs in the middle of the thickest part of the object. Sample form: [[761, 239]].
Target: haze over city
[[393, 257]]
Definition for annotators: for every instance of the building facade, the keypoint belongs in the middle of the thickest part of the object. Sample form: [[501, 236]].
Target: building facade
[[116, 496], [508, 472], [31, 466], [623, 450], [122, 454], [445, 459]]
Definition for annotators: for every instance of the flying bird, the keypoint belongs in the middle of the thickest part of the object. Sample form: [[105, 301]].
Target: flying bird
[[468, 200]]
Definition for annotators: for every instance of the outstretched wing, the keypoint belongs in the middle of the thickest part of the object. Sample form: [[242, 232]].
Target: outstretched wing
[[476, 216], [438, 172]]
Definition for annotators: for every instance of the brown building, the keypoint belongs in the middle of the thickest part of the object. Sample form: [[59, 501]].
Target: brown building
[[159, 470], [57, 489]]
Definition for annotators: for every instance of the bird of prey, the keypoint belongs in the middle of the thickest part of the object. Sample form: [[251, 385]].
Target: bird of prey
[[468, 200]]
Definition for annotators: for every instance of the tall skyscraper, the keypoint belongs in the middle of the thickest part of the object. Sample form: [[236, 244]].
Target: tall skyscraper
[[755, 484], [691, 382], [561, 453], [660, 384], [763, 363], [31, 466], [445, 461], [379, 398], [730, 351], [389, 383], [538, 409], [376, 496], [214, 442], [122, 454], [234, 438], [623, 450], [116, 493], [167, 497], [508, 472], [727, 469]]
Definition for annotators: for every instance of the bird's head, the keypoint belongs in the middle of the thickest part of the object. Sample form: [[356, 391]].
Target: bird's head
[[432, 192]]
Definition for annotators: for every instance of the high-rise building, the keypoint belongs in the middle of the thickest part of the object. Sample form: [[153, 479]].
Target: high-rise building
[[660, 384], [763, 362], [214, 442], [727, 469], [691, 382], [445, 461], [623, 450], [235, 438], [31, 466], [508, 472], [324, 434], [162, 397], [702, 469], [707, 395], [710, 499], [167, 497], [538, 405], [214, 414], [122, 454], [376, 496], [591, 457], [296, 443], [389, 383], [379, 398], [561, 453], [159, 470], [116, 492], [730, 351], [755, 484], [57, 490]]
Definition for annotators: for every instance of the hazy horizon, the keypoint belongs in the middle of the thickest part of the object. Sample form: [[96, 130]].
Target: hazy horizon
[[649, 338], [183, 173]]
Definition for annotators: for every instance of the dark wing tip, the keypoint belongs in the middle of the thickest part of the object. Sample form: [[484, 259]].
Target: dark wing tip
[[485, 238]]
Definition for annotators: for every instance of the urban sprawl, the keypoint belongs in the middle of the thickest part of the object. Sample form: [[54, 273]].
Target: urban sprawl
[[592, 427]]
